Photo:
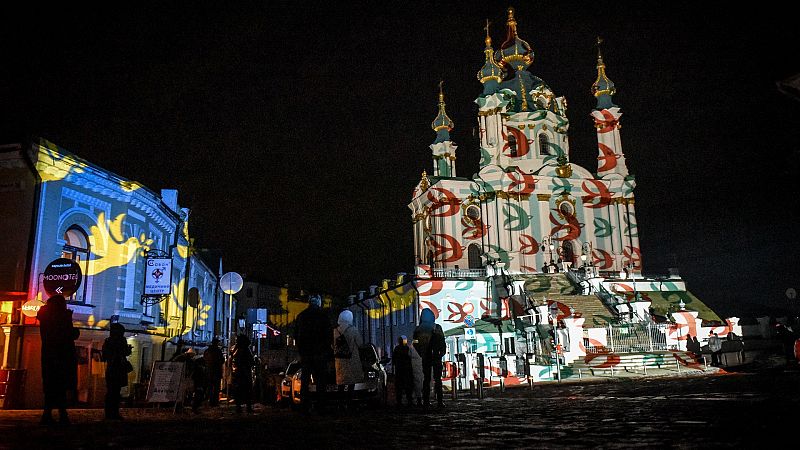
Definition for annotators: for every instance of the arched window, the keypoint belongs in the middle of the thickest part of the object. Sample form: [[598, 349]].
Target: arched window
[[512, 145], [544, 144], [76, 248], [474, 256]]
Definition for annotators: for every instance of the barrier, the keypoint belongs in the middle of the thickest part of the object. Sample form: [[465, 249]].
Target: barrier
[[12, 388]]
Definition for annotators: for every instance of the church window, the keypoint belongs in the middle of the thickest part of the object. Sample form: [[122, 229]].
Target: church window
[[474, 256], [76, 248], [544, 144], [566, 209], [512, 145], [473, 212]]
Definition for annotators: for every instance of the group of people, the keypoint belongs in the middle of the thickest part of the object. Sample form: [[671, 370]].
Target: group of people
[[417, 362], [60, 362], [318, 343]]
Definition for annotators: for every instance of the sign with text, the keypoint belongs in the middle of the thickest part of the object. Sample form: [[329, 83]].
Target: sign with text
[[158, 276], [165, 381], [469, 333], [62, 277]]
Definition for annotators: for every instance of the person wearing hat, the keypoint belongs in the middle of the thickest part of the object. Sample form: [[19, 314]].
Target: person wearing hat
[[314, 337], [115, 354]]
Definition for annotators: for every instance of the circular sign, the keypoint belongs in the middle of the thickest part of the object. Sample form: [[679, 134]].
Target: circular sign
[[31, 307], [791, 294], [231, 283], [62, 277]]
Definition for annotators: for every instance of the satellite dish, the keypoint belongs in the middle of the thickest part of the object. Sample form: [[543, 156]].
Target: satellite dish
[[231, 283], [791, 294], [194, 298]]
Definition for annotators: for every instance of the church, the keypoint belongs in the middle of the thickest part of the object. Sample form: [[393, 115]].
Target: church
[[532, 247]]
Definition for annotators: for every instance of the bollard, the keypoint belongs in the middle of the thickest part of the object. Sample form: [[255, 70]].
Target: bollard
[[678, 364], [481, 373], [454, 387]]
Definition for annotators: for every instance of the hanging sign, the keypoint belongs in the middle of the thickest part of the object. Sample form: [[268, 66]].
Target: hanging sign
[[31, 307], [158, 276], [62, 277]]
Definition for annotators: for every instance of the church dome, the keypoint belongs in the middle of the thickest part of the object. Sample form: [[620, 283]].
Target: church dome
[[515, 52]]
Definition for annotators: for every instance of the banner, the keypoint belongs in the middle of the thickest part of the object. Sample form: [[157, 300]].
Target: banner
[[158, 276]]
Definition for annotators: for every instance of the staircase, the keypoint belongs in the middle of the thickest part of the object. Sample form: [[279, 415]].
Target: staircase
[[617, 364]]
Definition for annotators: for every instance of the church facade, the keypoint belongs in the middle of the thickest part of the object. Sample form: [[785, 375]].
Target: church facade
[[532, 246]]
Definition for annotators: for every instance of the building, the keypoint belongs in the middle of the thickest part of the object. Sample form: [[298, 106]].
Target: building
[[532, 252], [61, 206]]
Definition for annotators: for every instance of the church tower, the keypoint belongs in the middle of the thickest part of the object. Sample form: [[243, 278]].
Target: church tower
[[611, 161], [444, 150]]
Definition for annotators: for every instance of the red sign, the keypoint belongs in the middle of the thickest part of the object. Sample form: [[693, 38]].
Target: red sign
[[62, 277]]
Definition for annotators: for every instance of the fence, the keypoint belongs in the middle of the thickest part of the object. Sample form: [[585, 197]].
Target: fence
[[637, 337]]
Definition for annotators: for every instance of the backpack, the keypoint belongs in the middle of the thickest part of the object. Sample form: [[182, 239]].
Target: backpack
[[341, 348]]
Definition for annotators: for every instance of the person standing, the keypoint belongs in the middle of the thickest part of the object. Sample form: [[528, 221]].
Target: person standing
[[59, 361], [115, 354], [715, 345], [214, 360], [348, 368], [242, 373], [313, 337], [403, 374], [431, 346]]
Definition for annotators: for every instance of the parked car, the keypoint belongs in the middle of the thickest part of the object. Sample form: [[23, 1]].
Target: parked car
[[284, 391], [371, 390]]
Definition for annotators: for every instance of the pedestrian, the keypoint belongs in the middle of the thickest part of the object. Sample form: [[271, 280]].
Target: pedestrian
[[214, 360], [115, 354], [242, 373], [59, 361], [416, 370], [693, 346], [349, 370], [715, 345], [313, 337], [403, 372], [431, 347]]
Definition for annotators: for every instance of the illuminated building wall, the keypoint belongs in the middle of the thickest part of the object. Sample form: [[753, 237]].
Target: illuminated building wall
[[106, 223]]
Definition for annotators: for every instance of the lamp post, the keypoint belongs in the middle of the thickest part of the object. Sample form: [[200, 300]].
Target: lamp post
[[547, 245]]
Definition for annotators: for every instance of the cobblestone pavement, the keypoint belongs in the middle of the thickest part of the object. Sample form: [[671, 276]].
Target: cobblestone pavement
[[742, 410]]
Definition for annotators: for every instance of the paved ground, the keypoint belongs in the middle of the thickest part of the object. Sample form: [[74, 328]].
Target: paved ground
[[716, 410]]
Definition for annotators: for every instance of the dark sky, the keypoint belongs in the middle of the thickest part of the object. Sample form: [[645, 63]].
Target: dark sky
[[296, 131]]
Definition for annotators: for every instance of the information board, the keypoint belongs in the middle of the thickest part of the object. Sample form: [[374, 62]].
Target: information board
[[165, 381]]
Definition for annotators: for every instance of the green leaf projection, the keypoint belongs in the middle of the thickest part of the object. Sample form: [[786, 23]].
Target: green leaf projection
[[631, 229], [602, 227], [498, 253], [561, 186], [516, 219], [486, 157]]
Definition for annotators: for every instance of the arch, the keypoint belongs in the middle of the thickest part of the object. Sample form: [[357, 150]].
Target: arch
[[567, 252], [544, 144], [474, 256]]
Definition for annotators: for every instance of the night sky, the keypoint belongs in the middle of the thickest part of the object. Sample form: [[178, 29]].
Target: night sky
[[296, 131]]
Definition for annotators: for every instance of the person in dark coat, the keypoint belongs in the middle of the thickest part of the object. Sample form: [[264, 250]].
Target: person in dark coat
[[242, 371], [431, 346], [59, 361], [403, 373], [115, 354], [314, 336], [214, 360]]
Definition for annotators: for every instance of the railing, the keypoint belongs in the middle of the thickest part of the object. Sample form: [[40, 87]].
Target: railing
[[637, 337], [459, 273]]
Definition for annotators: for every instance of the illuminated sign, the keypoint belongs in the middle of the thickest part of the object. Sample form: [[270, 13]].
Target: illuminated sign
[[62, 277], [31, 307], [158, 276]]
